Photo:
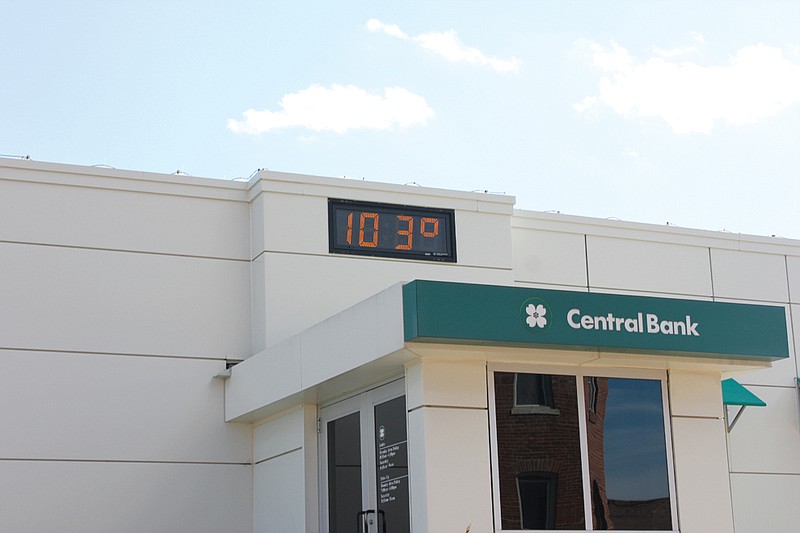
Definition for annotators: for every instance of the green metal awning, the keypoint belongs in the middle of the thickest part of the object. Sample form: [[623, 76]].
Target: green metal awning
[[734, 393]]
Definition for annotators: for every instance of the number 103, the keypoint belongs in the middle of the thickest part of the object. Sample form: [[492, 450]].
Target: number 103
[[369, 229]]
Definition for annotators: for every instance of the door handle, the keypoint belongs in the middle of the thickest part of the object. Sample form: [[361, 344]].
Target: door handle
[[382, 520], [362, 523]]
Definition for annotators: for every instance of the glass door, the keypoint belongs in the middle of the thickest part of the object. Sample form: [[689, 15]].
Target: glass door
[[364, 463]]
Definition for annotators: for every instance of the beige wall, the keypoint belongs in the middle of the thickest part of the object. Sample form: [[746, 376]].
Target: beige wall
[[121, 295], [612, 256], [125, 293]]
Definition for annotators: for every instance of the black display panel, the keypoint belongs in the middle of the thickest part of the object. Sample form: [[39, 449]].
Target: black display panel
[[388, 230], [391, 458]]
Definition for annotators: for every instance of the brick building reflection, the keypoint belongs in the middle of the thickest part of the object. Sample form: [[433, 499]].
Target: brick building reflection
[[540, 472], [540, 445]]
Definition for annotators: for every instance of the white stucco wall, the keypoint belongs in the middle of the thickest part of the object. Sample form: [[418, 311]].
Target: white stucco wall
[[125, 293], [122, 295], [763, 464]]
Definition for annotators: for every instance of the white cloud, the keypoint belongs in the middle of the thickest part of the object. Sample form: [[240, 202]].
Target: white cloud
[[617, 59], [757, 83], [339, 108], [449, 46], [389, 29]]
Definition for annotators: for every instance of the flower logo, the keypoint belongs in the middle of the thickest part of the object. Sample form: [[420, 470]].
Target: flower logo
[[536, 315], [533, 313]]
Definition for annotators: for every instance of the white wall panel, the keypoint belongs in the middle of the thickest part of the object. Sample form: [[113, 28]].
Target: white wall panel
[[258, 305], [483, 239], [767, 439], [279, 494], [446, 383], [331, 348], [79, 497], [793, 268], [549, 257], [454, 494], [264, 378], [99, 301], [115, 408], [295, 223], [764, 503], [794, 339], [695, 394], [648, 266], [122, 220], [278, 435], [749, 276], [781, 373], [302, 290], [701, 475]]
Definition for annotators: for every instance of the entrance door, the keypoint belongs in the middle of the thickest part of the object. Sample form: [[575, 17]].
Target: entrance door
[[364, 463]]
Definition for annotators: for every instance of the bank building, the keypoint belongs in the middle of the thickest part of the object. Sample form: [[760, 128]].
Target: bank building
[[296, 353]]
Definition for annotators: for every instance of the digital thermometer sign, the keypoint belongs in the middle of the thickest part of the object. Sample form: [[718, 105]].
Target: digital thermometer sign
[[388, 230]]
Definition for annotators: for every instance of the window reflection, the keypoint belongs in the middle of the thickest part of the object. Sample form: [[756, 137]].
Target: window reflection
[[539, 456], [534, 390], [627, 454], [540, 466]]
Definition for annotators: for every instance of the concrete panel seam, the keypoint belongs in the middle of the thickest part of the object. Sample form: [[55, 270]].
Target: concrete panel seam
[[122, 250], [754, 473], [455, 407], [586, 261], [277, 455], [119, 461], [384, 259], [667, 294], [118, 354], [140, 177], [711, 273], [537, 284], [695, 417]]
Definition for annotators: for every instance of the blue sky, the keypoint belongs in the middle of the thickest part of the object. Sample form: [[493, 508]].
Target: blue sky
[[685, 113]]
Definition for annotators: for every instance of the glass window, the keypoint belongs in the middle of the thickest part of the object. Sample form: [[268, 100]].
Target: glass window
[[614, 437], [546, 444], [627, 455], [537, 499], [533, 389]]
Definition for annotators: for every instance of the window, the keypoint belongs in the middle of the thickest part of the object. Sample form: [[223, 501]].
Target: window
[[533, 394], [537, 499], [598, 461]]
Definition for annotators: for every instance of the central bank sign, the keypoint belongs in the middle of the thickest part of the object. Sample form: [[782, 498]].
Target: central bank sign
[[516, 316], [536, 318]]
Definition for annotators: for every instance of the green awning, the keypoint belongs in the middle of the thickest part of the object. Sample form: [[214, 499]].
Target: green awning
[[733, 393]]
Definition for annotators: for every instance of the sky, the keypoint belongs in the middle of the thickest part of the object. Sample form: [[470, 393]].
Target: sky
[[680, 113]]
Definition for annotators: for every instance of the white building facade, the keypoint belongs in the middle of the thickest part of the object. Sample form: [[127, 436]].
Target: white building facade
[[297, 353]]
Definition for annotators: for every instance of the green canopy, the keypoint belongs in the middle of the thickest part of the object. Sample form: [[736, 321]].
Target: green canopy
[[733, 393]]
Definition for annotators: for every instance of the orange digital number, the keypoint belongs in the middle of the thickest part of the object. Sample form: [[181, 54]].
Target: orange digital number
[[422, 227], [361, 241], [408, 233], [350, 228]]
